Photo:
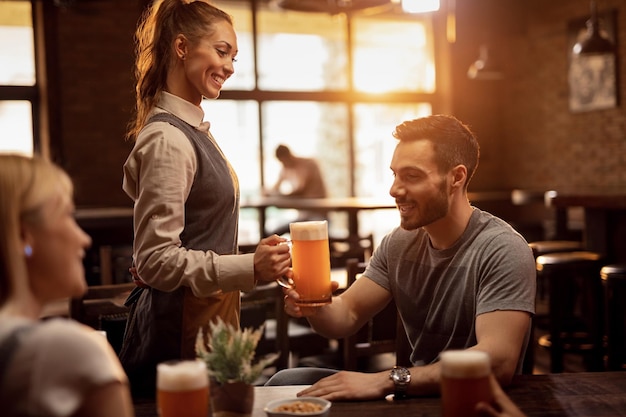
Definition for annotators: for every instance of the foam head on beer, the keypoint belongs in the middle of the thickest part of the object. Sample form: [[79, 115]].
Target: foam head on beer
[[182, 385], [465, 364], [464, 382], [312, 230], [181, 375]]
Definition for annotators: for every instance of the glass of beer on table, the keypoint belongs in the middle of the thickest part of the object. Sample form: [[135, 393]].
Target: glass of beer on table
[[182, 389], [310, 259], [464, 381]]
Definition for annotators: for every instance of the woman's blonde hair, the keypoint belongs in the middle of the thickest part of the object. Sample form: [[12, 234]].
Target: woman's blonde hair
[[25, 185], [155, 35]]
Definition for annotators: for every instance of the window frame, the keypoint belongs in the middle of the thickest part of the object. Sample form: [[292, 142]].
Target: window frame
[[349, 96]]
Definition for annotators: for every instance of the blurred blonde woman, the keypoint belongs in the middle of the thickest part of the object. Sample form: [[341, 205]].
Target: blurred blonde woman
[[55, 367]]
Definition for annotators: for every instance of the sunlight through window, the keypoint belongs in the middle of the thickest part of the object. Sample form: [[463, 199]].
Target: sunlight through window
[[302, 51], [393, 55], [420, 6], [17, 55]]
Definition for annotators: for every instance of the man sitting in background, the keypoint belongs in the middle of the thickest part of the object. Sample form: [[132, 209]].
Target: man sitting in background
[[298, 178]]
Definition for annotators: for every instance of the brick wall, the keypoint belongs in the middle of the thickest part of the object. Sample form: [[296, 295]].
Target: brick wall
[[91, 60], [545, 146]]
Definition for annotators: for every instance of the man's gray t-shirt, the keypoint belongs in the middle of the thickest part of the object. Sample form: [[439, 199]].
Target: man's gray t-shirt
[[439, 293]]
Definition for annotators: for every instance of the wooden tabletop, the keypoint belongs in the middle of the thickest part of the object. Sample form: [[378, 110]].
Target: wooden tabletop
[[346, 203], [603, 199], [575, 394]]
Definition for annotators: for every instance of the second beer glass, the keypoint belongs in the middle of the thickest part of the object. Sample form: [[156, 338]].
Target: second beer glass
[[310, 257], [464, 382], [182, 389]]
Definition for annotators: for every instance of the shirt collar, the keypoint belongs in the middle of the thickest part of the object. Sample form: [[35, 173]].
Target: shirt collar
[[184, 110]]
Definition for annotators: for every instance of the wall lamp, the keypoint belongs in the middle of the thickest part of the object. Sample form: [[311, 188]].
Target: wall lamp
[[484, 68]]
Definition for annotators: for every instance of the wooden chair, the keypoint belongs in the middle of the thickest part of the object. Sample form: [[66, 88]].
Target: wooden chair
[[382, 334], [283, 334], [102, 307], [114, 263], [342, 249], [263, 306]]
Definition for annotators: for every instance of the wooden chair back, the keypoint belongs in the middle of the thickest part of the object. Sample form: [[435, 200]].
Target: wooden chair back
[[102, 307], [285, 335], [384, 333]]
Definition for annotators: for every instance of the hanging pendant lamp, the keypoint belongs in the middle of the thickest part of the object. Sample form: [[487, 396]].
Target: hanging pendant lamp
[[334, 6], [484, 68], [595, 42]]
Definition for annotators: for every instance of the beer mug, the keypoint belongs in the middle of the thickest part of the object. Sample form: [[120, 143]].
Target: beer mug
[[182, 389], [310, 261], [464, 382]]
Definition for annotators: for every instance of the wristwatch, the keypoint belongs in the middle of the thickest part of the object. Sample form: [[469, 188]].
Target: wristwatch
[[401, 378]]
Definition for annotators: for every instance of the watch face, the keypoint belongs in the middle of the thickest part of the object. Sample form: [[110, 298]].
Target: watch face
[[400, 375]]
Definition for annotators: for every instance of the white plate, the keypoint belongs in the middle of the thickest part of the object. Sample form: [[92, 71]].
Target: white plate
[[270, 407]]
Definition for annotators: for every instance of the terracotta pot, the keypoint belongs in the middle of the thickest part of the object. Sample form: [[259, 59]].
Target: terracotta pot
[[231, 399]]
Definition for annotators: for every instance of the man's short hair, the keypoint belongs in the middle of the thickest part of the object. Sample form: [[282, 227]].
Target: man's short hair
[[454, 142]]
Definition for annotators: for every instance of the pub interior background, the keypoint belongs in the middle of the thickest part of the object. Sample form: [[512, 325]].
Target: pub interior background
[[530, 137]]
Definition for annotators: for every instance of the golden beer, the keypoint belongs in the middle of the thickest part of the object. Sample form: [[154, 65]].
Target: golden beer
[[464, 382], [310, 257], [182, 389]]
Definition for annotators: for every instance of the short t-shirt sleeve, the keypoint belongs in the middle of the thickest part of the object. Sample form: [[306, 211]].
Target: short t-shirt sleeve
[[60, 362]]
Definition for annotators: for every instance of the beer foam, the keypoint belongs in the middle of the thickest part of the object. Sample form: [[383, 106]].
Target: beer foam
[[312, 230], [182, 375], [465, 364]]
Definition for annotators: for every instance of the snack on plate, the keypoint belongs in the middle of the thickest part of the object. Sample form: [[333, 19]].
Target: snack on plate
[[299, 407]]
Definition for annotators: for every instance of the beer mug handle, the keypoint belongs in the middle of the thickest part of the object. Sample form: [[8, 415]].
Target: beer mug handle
[[284, 281]]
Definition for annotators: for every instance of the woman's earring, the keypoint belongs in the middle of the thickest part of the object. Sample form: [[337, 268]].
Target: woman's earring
[[28, 251]]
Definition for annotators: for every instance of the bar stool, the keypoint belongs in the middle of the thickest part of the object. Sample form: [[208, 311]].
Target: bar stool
[[614, 283], [543, 247], [575, 307]]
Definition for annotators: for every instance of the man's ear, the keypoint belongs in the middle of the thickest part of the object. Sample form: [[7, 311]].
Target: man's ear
[[459, 177]]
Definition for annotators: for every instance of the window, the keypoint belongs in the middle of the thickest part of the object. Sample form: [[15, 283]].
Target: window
[[17, 77], [302, 51], [331, 87]]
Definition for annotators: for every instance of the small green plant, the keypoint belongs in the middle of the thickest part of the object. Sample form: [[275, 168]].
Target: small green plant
[[231, 353]]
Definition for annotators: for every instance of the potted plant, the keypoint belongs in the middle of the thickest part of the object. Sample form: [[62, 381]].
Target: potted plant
[[230, 361]]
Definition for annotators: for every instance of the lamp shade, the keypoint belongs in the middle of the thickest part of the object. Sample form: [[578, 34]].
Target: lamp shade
[[333, 6], [594, 41]]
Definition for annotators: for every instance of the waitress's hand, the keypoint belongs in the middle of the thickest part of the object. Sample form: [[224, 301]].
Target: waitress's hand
[[271, 259]]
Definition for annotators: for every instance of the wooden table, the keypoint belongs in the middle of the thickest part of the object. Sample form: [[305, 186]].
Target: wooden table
[[350, 205], [605, 219], [577, 394]]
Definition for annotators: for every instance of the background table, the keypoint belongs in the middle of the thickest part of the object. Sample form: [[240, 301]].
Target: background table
[[350, 205], [605, 219], [575, 394]]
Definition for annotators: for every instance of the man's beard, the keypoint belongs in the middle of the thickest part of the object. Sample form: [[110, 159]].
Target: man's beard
[[429, 211]]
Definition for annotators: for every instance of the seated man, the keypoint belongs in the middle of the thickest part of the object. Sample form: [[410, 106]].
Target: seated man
[[461, 277], [299, 178]]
